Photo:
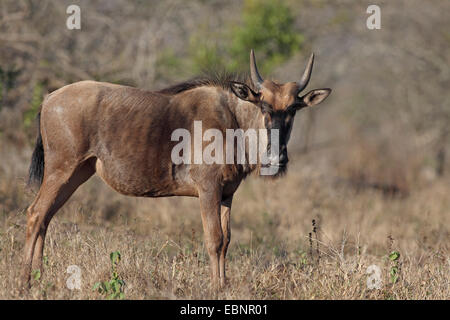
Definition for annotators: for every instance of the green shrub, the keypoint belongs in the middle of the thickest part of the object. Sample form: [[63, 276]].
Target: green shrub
[[267, 27], [36, 100]]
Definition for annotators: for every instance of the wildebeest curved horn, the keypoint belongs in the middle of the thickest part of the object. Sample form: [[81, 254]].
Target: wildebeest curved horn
[[254, 74], [307, 73]]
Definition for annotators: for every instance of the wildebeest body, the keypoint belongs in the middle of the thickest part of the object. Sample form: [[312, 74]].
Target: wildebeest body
[[127, 132], [124, 135]]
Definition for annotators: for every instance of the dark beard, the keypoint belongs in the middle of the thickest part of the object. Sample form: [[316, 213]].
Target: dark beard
[[280, 173]]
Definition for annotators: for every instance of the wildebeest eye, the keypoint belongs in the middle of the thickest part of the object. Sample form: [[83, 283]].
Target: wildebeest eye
[[292, 109]]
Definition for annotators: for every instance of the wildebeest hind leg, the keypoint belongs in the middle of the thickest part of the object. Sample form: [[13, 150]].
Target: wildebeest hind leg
[[56, 188]]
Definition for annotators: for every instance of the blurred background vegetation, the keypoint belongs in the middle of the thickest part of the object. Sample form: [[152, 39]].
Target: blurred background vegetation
[[385, 126]]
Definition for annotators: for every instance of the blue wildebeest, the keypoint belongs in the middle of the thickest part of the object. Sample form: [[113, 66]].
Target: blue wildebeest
[[123, 134]]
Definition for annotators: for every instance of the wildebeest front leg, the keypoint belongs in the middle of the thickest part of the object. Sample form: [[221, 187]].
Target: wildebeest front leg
[[210, 208], [225, 213]]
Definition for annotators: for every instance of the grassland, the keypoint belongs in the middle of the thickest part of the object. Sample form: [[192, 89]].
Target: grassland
[[274, 253]]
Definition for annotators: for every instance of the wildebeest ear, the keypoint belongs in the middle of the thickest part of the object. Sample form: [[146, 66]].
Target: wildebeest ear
[[314, 97], [244, 92]]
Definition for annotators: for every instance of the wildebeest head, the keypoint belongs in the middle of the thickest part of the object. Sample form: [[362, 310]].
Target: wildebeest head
[[279, 104]]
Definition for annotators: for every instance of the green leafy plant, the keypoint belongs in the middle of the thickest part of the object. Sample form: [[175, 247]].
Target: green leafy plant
[[36, 275], [394, 257], [302, 258], [113, 288]]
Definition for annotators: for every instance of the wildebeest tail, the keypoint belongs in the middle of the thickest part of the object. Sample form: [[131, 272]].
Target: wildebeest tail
[[36, 170]]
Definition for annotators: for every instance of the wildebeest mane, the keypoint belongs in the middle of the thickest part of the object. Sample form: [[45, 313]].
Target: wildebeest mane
[[220, 79]]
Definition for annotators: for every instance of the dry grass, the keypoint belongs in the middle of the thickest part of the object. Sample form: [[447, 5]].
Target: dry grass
[[271, 255]]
